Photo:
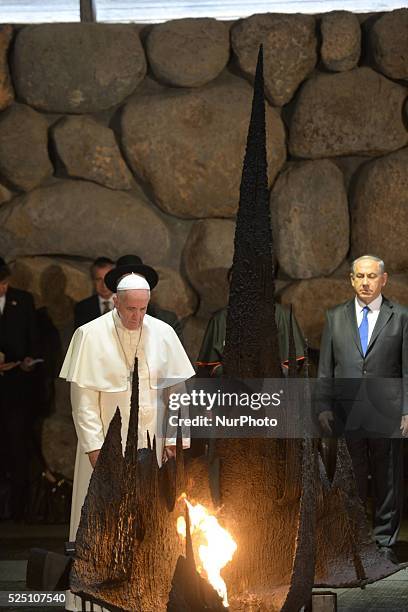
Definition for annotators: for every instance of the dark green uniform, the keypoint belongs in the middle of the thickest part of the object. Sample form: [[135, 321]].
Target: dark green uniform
[[212, 348]]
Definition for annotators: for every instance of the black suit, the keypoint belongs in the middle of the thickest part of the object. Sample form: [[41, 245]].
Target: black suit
[[18, 339], [88, 310], [366, 405]]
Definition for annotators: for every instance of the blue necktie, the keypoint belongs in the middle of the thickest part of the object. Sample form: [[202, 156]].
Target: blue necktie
[[363, 330]]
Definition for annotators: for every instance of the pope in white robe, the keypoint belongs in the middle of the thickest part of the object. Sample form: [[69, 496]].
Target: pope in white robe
[[99, 365]]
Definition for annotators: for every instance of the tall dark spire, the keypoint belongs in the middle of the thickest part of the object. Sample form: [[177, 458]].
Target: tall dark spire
[[251, 346]]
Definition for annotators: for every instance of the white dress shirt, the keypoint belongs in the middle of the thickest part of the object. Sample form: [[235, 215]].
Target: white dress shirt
[[372, 315], [102, 303], [2, 303]]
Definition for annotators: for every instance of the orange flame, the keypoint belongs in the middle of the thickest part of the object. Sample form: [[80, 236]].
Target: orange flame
[[214, 544]]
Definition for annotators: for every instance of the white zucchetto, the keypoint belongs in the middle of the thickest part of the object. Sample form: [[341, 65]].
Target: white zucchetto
[[132, 281]]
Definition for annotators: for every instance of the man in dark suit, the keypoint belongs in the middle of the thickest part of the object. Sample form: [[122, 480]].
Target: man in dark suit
[[18, 346], [365, 347], [133, 263], [102, 300]]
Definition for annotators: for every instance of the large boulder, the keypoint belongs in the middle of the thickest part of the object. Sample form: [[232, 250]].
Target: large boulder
[[188, 52], [310, 218], [379, 211], [349, 166], [311, 299], [24, 160], [174, 293], [207, 258], [341, 40], [388, 37], [6, 88], [77, 67], [289, 46], [189, 145], [77, 218], [5, 194], [397, 288], [89, 150], [350, 113]]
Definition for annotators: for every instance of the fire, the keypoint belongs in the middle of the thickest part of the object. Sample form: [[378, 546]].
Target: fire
[[214, 544]]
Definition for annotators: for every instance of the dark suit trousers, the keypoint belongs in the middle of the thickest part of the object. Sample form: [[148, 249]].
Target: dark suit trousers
[[382, 458], [15, 428]]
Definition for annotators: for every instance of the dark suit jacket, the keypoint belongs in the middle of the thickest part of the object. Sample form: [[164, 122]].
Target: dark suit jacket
[[374, 386], [88, 310], [18, 339], [18, 326]]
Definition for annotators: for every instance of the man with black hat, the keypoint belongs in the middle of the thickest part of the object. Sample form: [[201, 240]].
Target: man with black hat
[[18, 345], [133, 263]]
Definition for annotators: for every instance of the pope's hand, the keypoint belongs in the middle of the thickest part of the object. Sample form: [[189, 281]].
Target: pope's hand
[[93, 457], [404, 425], [326, 419]]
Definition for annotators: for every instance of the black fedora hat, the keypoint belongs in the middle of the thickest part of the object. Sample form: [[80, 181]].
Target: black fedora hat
[[126, 265]]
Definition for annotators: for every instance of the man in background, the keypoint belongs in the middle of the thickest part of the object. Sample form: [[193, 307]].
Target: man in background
[[102, 300], [18, 346], [365, 345]]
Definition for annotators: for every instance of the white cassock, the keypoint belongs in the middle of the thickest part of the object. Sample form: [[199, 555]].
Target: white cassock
[[97, 364]]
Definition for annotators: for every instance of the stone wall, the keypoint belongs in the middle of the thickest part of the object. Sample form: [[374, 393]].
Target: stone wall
[[122, 138]]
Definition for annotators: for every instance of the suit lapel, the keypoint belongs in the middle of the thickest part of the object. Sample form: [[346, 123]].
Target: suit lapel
[[8, 313], [352, 322], [96, 308], [10, 305], [382, 320]]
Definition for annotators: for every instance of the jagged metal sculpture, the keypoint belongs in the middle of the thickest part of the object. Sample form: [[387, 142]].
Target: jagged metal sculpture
[[294, 524], [128, 553]]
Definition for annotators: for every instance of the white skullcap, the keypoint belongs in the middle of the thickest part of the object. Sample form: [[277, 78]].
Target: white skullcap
[[132, 281]]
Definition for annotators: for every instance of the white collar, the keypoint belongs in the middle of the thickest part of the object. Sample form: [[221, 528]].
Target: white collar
[[373, 306], [102, 300]]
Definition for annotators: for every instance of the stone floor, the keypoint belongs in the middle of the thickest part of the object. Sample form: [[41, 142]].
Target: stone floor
[[390, 594]]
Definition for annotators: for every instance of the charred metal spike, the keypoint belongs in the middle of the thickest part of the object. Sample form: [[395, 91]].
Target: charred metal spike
[[131, 442], [100, 511], [251, 345]]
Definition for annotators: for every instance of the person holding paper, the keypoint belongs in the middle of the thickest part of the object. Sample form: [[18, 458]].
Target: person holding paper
[[19, 344]]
